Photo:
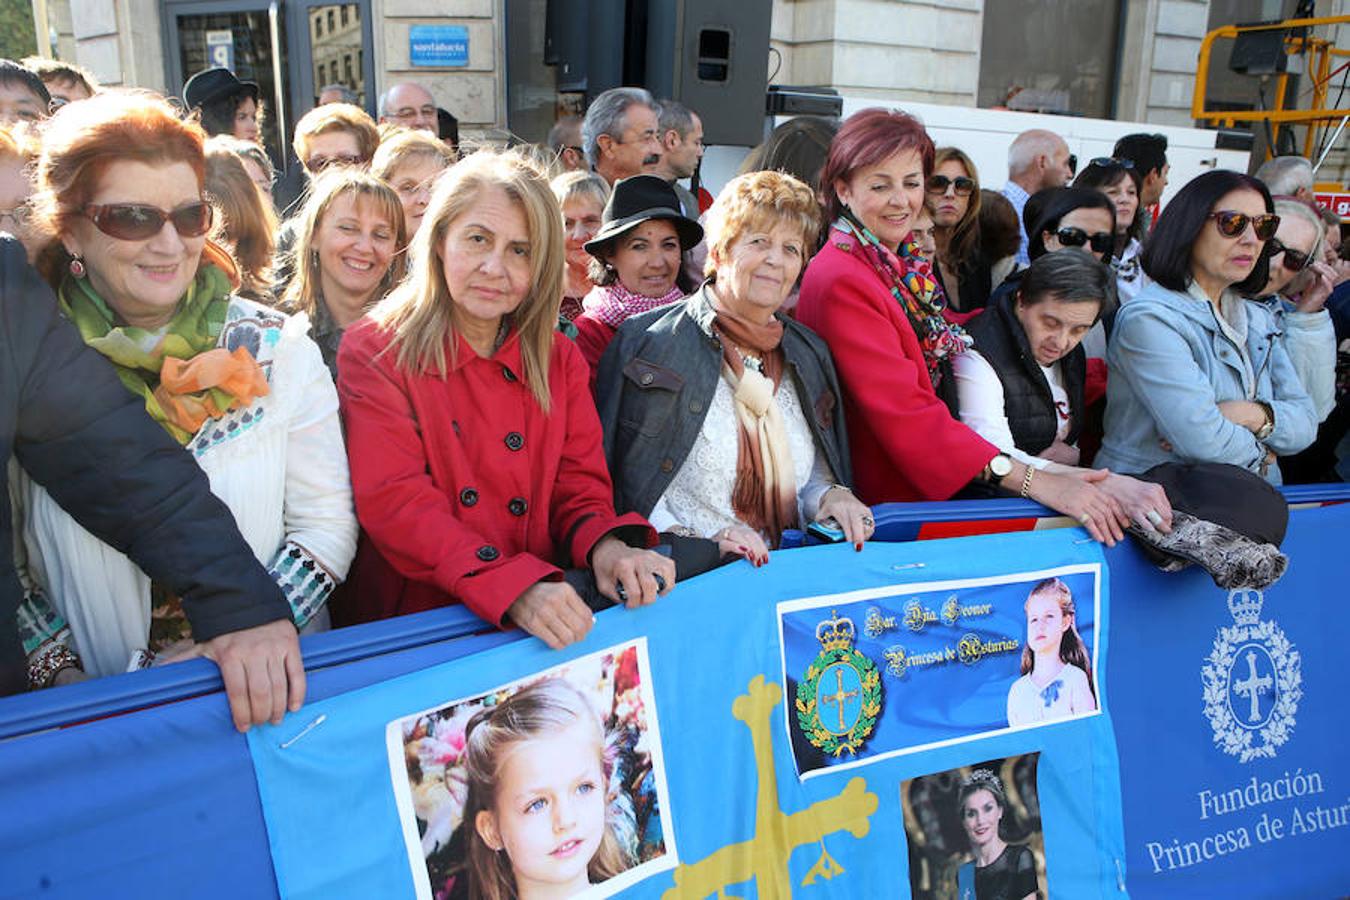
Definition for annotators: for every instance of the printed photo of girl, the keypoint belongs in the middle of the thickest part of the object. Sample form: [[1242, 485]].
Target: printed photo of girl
[[550, 786], [1056, 680]]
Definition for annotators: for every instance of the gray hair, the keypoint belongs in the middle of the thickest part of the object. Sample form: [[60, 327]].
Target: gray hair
[[345, 94], [1286, 175], [673, 115], [606, 115], [570, 185], [560, 135], [384, 98], [1029, 145], [1288, 208], [1071, 276]]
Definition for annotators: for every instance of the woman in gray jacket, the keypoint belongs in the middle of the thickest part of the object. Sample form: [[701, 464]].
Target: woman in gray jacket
[[700, 435], [1198, 373]]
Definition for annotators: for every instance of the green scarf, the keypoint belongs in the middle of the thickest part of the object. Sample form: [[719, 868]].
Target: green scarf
[[137, 353]]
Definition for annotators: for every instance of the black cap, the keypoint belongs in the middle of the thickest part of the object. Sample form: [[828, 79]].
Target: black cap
[[638, 199], [215, 84], [1226, 495]]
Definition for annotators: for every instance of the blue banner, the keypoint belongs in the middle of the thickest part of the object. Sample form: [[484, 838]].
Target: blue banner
[[672, 745], [438, 45]]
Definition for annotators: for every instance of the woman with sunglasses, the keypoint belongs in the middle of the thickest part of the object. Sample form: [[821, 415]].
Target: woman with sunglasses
[[121, 203], [953, 199], [1198, 373], [1296, 294], [874, 301], [1118, 180]]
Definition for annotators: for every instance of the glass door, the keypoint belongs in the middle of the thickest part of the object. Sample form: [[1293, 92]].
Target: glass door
[[331, 45], [245, 36]]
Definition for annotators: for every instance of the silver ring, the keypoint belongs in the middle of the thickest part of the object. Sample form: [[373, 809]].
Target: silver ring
[[1153, 516], [1085, 518], [867, 520]]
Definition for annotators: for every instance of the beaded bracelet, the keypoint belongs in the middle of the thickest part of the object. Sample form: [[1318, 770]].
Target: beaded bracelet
[[43, 671]]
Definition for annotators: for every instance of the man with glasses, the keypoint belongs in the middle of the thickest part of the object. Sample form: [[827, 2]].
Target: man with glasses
[[66, 82], [564, 139], [1038, 159], [620, 134], [410, 105]]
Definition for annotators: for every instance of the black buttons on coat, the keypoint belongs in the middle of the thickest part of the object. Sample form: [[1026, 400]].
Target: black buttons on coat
[[517, 506], [487, 553], [468, 496], [515, 440]]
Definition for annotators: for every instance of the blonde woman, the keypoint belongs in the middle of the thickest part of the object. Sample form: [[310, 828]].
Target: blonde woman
[[582, 196], [410, 161], [474, 444], [349, 248]]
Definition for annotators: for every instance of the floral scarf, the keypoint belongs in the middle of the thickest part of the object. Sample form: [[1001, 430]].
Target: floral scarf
[[614, 304], [909, 277], [178, 370]]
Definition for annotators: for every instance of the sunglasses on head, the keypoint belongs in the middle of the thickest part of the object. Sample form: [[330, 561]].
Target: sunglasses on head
[[139, 221], [1232, 224], [938, 184], [1100, 241], [1111, 162], [1294, 260]]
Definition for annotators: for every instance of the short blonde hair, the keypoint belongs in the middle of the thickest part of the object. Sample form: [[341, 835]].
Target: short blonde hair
[[418, 311], [759, 201], [336, 117], [401, 145], [571, 185]]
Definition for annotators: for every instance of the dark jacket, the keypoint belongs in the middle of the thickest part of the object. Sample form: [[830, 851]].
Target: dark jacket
[[658, 377], [85, 438], [1027, 401]]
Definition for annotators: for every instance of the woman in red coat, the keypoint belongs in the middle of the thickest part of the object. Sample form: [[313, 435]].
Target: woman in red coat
[[474, 444], [877, 305]]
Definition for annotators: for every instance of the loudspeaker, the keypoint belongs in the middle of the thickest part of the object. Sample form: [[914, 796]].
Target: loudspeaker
[[712, 56], [567, 42], [1259, 52]]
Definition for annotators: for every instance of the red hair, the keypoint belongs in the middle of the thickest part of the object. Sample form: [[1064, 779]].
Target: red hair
[[866, 138], [84, 138]]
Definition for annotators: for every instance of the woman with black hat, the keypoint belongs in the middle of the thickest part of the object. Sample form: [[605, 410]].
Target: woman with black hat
[[722, 417], [226, 104], [638, 253]]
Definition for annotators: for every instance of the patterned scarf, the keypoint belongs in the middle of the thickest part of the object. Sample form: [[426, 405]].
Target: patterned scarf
[[614, 304], [178, 370], [910, 279], [764, 495]]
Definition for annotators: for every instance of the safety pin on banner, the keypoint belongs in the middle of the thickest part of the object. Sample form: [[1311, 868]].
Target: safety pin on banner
[[910, 566], [304, 731], [1120, 877]]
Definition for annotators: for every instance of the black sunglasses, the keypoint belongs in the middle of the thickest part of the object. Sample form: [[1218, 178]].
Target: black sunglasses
[[1100, 241], [1232, 224], [938, 184], [1294, 260], [1073, 163], [140, 221]]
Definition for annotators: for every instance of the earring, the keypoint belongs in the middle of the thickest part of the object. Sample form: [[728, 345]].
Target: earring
[[77, 269]]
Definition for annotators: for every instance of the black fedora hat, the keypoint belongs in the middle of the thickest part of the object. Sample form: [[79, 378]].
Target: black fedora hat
[[214, 84], [639, 199]]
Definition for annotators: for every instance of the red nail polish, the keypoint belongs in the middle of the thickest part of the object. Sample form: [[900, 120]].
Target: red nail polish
[[858, 546], [743, 549]]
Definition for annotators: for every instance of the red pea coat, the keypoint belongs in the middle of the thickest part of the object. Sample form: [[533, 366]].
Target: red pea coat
[[466, 490], [905, 444]]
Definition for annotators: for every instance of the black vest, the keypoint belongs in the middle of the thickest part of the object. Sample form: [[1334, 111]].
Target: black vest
[[1027, 401]]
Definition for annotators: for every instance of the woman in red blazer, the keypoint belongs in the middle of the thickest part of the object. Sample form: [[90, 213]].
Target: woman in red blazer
[[877, 305], [475, 447]]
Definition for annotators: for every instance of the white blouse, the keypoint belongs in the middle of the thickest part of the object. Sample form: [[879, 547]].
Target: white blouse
[[280, 466], [699, 496], [980, 394]]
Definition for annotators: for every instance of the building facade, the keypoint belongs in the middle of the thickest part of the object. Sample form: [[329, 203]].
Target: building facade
[[483, 60]]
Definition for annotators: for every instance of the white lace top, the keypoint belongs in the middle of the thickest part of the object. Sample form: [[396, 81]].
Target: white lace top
[[699, 496]]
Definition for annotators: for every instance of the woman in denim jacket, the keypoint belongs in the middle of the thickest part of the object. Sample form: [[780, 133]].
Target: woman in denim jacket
[[721, 417], [1198, 373]]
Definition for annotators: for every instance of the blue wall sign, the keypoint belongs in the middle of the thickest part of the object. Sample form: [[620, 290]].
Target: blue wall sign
[[438, 45]]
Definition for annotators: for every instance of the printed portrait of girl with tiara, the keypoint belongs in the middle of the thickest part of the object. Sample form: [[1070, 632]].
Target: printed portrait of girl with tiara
[[1056, 680], [539, 818]]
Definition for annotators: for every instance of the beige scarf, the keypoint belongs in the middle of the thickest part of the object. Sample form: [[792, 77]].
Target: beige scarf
[[765, 492]]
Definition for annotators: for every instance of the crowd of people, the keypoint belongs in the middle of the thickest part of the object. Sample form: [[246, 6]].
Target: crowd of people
[[545, 380]]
